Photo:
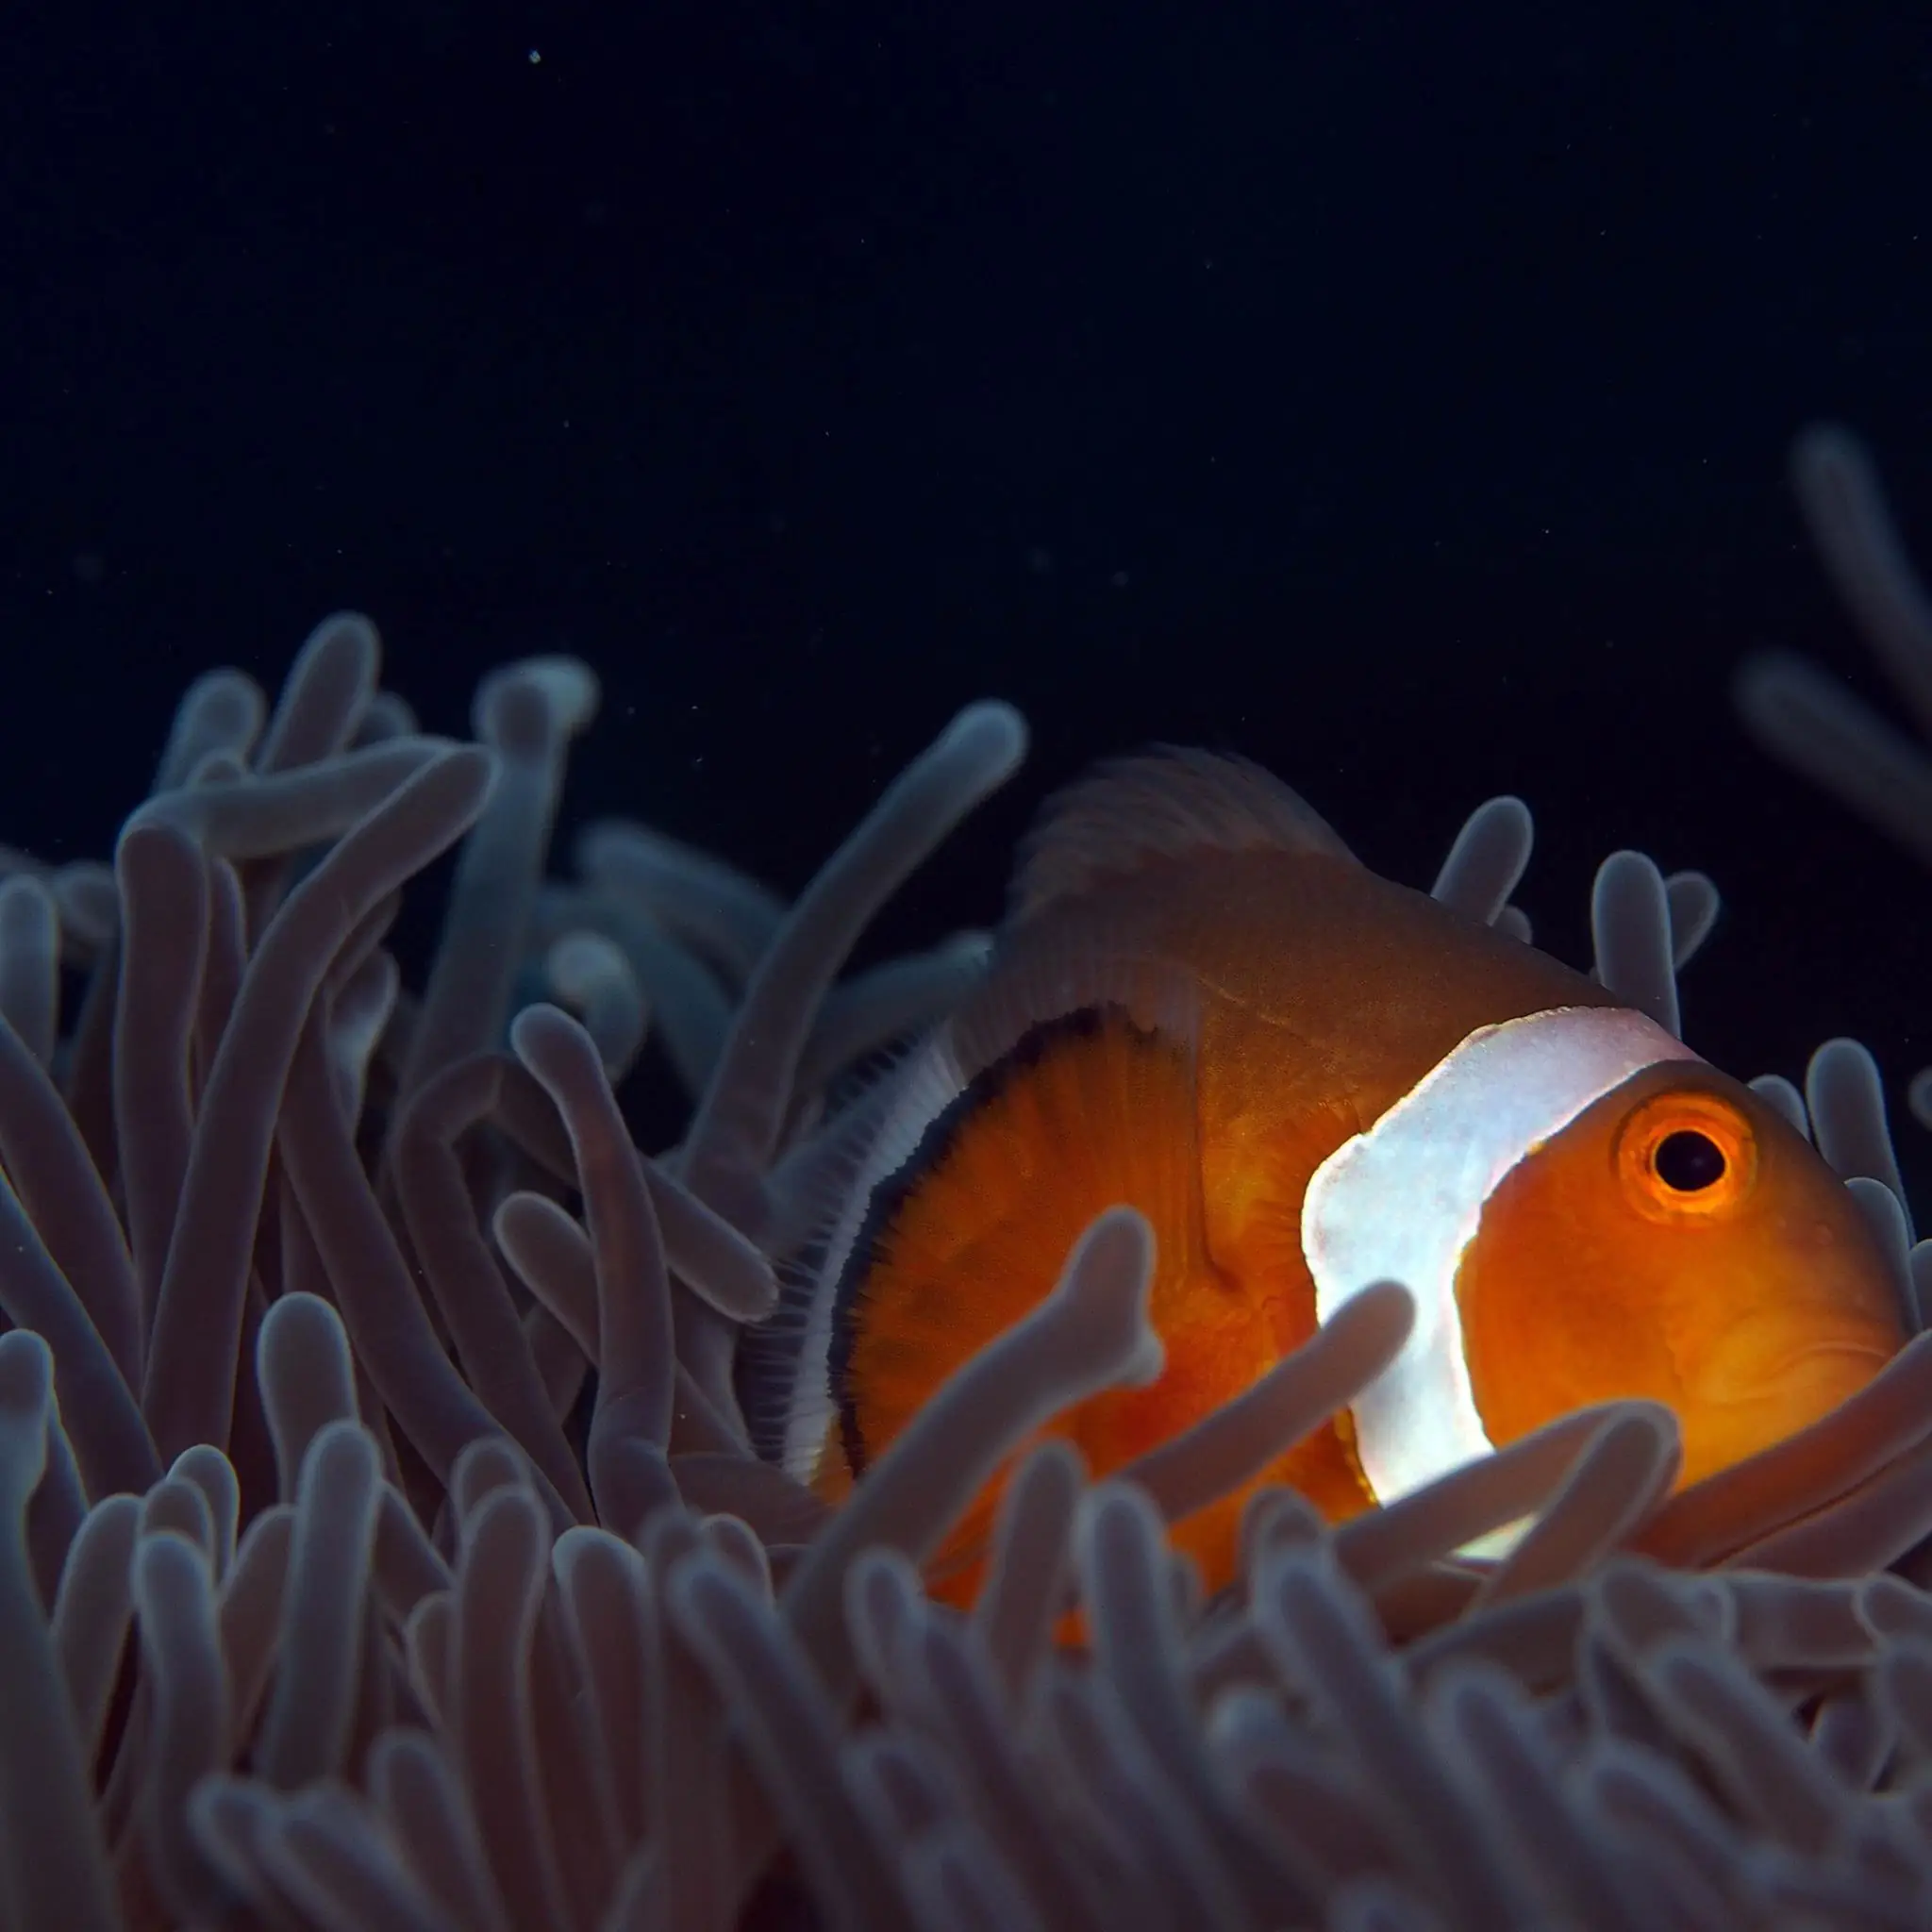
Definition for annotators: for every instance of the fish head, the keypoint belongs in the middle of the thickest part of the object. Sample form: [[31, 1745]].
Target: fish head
[[1680, 1241]]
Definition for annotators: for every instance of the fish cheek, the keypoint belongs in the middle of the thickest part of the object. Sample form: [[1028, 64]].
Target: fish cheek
[[1557, 1307]]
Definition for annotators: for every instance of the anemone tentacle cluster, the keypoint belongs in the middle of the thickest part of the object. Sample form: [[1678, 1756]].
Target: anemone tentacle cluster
[[384, 1549]]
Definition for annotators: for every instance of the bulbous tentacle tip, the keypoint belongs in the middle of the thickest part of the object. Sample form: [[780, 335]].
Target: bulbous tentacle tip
[[995, 732], [1105, 1288]]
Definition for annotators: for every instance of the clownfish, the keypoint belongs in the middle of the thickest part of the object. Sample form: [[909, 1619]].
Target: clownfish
[[1310, 1079]]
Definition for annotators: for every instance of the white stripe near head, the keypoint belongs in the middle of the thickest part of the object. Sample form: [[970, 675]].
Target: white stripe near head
[[1402, 1202]]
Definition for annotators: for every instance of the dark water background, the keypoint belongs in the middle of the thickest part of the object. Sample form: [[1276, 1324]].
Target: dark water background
[[1398, 394]]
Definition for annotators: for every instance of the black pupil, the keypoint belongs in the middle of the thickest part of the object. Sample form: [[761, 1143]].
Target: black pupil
[[1688, 1162]]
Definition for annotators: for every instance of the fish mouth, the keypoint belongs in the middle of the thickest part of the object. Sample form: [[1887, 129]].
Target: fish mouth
[[1845, 1363], [1815, 1352], [1753, 1396]]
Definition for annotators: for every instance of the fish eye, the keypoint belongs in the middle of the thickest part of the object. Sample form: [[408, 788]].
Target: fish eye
[[1686, 1156], [1688, 1161]]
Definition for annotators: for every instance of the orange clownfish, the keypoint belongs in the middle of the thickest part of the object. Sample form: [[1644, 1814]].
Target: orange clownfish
[[1310, 1079]]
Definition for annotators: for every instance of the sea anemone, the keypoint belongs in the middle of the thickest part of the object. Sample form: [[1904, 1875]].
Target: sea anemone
[[385, 1551]]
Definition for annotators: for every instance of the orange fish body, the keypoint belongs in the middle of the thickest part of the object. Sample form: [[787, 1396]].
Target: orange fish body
[[1308, 1078]]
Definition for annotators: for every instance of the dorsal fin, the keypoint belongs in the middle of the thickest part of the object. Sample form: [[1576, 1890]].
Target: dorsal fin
[[1160, 804]]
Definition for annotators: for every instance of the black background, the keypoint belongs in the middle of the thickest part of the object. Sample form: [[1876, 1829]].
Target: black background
[[1399, 394]]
